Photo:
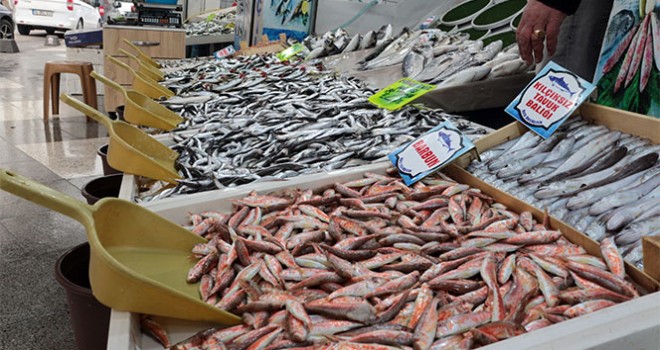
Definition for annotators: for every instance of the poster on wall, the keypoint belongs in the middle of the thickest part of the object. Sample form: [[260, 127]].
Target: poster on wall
[[295, 18], [628, 71]]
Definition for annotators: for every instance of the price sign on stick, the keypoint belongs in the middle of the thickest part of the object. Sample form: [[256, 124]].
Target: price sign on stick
[[400, 94], [549, 99], [430, 152], [290, 51]]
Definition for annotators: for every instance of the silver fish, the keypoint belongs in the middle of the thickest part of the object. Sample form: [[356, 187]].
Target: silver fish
[[368, 40], [624, 197], [465, 76], [353, 44]]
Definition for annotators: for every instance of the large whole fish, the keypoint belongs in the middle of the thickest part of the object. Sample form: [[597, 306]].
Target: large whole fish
[[603, 182], [373, 264]]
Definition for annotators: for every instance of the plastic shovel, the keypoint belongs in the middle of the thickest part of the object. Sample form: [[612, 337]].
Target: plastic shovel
[[141, 55], [144, 83], [139, 261], [130, 149], [145, 68], [142, 110]]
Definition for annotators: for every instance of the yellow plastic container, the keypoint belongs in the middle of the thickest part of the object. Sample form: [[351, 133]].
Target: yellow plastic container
[[143, 83], [145, 68], [139, 261], [142, 110], [142, 56], [130, 149]]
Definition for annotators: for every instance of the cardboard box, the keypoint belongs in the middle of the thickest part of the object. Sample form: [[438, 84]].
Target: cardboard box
[[651, 250], [632, 323]]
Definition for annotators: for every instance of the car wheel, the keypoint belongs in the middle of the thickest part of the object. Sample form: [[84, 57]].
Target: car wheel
[[50, 31], [80, 24], [6, 29], [23, 30]]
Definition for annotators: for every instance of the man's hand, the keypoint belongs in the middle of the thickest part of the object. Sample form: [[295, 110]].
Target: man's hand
[[538, 22]]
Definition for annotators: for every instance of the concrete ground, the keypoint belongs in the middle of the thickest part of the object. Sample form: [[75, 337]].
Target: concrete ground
[[61, 154]]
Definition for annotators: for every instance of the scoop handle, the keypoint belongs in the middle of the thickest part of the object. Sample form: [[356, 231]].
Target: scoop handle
[[88, 111], [121, 64], [107, 81], [141, 54], [128, 54], [46, 197]]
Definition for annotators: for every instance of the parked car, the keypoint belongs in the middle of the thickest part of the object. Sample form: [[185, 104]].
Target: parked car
[[118, 11], [56, 15], [6, 23]]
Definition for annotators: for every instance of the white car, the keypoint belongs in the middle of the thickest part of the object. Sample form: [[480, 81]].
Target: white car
[[55, 15]]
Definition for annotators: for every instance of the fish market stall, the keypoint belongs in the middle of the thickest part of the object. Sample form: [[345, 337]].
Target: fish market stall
[[258, 119], [598, 174], [633, 322]]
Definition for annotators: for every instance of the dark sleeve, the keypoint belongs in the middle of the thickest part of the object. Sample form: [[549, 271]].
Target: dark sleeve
[[566, 6]]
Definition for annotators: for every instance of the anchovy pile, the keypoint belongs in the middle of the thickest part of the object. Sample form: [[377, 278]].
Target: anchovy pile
[[259, 120], [446, 59], [221, 23], [604, 183], [339, 41], [374, 264]]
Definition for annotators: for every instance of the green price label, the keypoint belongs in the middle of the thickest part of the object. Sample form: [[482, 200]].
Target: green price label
[[210, 17], [290, 51], [400, 94]]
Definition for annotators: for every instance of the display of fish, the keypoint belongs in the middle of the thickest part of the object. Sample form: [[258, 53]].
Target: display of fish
[[339, 41], [605, 183], [263, 120], [374, 264], [454, 54], [214, 24]]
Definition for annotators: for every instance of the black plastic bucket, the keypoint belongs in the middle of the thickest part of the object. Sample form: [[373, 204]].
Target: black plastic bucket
[[106, 186], [89, 318], [107, 169], [120, 112]]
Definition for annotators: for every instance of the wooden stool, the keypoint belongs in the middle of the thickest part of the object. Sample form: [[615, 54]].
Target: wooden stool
[[52, 72]]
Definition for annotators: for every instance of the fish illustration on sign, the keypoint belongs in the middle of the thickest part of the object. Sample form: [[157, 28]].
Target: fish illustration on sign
[[445, 139], [560, 83]]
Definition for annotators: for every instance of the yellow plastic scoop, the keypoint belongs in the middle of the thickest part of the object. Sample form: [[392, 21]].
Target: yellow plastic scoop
[[139, 261], [144, 83], [141, 55], [145, 68], [142, 110], [130, 149]]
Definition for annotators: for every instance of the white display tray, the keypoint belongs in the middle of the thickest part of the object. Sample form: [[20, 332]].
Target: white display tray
[[631, 325]]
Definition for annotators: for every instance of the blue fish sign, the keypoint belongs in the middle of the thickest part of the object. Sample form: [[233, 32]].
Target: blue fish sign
[[430, 152], [549, 99], [559, 83], [445, 139]]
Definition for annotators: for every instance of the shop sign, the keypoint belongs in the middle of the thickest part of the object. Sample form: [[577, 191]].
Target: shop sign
[[226, 52], [400, 94], [549, 99], [290, 51], [430, 152]]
